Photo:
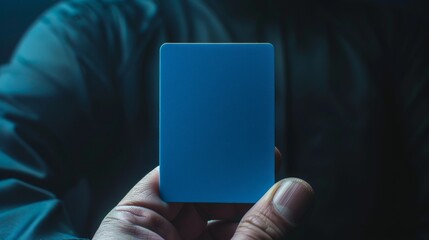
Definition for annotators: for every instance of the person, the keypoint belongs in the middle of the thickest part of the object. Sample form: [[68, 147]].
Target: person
[[79, 102]]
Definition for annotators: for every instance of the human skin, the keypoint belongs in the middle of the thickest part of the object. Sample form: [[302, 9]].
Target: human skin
[[142, 214]]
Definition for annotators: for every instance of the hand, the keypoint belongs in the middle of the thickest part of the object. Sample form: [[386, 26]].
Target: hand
[[142, 214]]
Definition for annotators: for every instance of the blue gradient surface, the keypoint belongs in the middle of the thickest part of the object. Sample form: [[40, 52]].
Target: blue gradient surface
[[216, 122]]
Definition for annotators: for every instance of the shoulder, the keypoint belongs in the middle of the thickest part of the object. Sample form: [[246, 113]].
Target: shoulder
[[99, 10], [102, 21], [96, 34]]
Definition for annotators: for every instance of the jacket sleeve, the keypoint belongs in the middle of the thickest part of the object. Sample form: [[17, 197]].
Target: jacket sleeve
[[59, 112]]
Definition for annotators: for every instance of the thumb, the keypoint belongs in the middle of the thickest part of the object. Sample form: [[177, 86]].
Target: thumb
[[273, 216]]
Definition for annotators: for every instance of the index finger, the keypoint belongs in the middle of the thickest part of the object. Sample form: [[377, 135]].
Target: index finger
[[146, 194]]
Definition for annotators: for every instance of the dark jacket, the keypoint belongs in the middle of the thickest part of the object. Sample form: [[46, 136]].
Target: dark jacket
[[79, 103]]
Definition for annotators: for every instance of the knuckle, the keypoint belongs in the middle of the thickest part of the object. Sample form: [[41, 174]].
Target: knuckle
[[140, 217], [260, 226], [114, 223], [120, 228]]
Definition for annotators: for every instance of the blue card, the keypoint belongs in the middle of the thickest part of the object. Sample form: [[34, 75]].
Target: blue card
[[216, 121]]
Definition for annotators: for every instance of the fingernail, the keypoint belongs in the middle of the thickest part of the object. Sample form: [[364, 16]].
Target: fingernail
[[291, 199]]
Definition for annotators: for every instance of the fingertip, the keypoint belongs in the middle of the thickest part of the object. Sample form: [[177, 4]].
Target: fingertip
[[277, 212], [292, 198], [277, 152], [278, 158]]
